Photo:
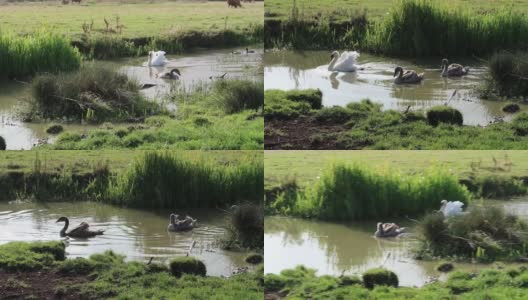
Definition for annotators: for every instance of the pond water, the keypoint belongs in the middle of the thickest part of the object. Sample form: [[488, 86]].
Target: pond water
[[196, 68], [287, 70], [137, 234], [351, 248]]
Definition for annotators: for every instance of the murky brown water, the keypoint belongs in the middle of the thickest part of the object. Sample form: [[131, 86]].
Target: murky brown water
[[196, 68], [137, 234], [301, 70], [351, 248]]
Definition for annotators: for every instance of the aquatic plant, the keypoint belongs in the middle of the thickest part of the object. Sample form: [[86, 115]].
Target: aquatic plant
[[245, 228], [379, 276], [444, 114], [427, 28], [507, 74], [483, 233], [94, 93], [165, 180], [234, 96], [42, 51], [187, 265], [354, 192]]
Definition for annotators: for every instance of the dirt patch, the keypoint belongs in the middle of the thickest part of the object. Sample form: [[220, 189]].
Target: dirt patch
[[302, 133], [39, 285]]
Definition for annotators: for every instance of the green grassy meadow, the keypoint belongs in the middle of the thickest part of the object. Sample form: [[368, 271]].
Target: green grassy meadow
[[308, 166], [280, 9], [140, 19]]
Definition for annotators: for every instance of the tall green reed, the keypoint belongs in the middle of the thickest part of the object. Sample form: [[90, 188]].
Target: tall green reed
[[165, 180], [42, 51], [353, 192], [426, 28]]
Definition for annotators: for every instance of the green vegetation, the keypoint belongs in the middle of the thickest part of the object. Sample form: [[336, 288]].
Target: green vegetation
[[221, 116], [302, 283], [365, 125], [245, 227], [483, 233], [187, 265], [19, 256], [254, 258], [400, 27], [205, 180], [444, 114], [301, 169], [353, 192], [164, 180], [42, 51], [379, 276], [93, 94], [112, 29], [507, 76], [108, 275]]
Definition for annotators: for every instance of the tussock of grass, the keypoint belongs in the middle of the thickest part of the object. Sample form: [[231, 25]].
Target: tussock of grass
[[94, 93], [3, 145], [187, 265], [444, 114], [42, 51], [485, 234], [291, 104], [19, 256], [234, 96], [163, 180], [352, 192], [508, 73], [245, 228]]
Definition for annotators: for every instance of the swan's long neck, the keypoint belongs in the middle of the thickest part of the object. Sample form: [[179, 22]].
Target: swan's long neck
[[333, 62], [66, 224], [400, 73], [150, 59], [444, 69]]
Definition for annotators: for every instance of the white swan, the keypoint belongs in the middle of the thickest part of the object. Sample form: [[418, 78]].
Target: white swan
[[451, 208], [346, 62], [156, 58]]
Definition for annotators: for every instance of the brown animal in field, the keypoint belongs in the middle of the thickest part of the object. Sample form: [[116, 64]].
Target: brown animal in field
[[234, 3]]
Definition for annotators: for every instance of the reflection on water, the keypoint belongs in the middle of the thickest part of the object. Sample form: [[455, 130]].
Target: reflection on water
[[137, 234], [196, 68], [301, 70], [351, 248]]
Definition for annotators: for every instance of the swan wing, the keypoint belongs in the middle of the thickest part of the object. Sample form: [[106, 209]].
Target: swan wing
[[81, 228], [453, 208], [347, 61]]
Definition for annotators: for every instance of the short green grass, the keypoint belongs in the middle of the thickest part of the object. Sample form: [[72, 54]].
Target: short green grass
[[338, 8], [308, 166], [140, 19]]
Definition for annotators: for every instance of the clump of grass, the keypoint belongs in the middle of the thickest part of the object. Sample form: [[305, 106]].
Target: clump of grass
[[19, 256], [245, 228], [444, 114], [353, 192], [55, 129], [94, 93], [80, 266], [483, 233], [187, 265], [234, 96], [254, 258], [42, 51], [379, 276], [511, 108], [3, 145], [508, 73], [165, 180], [499, 186], [290, 104], [426, 28]]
